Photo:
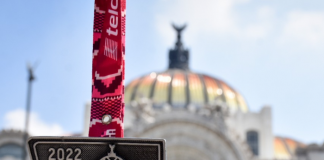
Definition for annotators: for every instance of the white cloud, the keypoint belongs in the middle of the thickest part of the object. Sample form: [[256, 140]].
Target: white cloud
[[16, 120], [304, 28], [212, 17]]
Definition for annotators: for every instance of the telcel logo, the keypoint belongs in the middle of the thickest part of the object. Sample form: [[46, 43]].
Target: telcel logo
[[111, 46], [113, 20]]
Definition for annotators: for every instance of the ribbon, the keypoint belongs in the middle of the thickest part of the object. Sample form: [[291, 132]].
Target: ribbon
[[108, 69]]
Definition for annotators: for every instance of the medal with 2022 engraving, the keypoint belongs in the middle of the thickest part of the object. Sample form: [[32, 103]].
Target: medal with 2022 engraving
[[78, 148]]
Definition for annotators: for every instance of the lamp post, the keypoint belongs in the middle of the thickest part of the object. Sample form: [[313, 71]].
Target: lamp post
[[31, 78]]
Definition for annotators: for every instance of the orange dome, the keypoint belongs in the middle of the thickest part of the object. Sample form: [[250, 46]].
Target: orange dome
[[179, 88]]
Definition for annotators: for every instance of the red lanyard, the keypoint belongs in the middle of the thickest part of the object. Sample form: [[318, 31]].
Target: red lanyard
[[108, 69]]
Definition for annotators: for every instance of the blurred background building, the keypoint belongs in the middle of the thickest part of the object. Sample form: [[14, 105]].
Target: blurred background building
[[200, 116], [11, 145]]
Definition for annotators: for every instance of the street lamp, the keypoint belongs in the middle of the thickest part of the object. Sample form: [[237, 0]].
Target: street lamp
[[31, 78]]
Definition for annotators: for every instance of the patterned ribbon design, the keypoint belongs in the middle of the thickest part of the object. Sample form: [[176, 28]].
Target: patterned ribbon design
[[108, 68]]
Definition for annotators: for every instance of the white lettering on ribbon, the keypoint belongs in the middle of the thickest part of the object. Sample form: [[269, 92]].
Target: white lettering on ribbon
[[111, 132]]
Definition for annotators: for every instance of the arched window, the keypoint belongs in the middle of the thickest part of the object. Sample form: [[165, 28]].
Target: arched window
[[252, 138], [10, 151]]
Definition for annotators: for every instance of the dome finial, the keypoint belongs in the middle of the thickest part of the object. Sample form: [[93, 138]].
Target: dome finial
[[179, 57], [179, 30]]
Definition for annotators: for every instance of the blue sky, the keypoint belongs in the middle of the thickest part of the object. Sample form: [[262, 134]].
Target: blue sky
[[270, 51]]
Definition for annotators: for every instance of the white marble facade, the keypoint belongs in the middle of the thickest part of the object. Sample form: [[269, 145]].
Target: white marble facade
[[204, 134]]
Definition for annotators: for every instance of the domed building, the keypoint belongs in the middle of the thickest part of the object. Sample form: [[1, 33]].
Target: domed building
[[200, 116], [180, 87]]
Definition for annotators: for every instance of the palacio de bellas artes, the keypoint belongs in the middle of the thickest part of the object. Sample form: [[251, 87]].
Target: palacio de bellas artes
[[200, 117]]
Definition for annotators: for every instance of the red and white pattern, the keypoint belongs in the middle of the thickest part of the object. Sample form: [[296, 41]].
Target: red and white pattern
[[108, 68]]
